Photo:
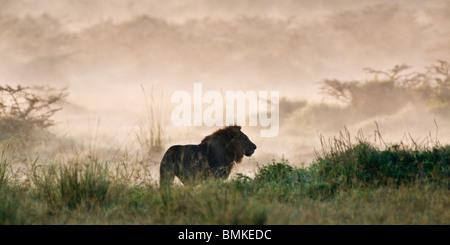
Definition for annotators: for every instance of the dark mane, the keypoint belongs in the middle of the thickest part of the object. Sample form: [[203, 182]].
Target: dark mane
[[226, 136], [224, 133]]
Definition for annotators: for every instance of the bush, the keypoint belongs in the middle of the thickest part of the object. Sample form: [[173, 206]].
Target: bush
[[365, 164], [346, 166], [282, 182]]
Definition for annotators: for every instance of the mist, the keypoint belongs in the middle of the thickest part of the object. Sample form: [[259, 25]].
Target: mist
[[120, 58]]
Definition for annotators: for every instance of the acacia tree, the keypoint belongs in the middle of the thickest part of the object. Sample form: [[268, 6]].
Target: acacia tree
[[393, 85], [24, 109]]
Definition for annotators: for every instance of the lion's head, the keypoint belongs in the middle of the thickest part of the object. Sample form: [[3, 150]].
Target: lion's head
[[234, 142], [242, 142]]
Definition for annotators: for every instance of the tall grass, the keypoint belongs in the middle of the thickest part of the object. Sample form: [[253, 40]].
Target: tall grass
[[73, 185], [364, 163], [347, 183], [150, 133], [3, 166]]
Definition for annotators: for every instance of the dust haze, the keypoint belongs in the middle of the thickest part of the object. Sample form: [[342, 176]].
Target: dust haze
[[121, 58]]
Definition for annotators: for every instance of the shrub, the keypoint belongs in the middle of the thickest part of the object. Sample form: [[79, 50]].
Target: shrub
[[365, 164], [280, 181], [344, 166], [278, 172]]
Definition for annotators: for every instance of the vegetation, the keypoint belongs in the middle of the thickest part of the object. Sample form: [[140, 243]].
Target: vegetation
[[396, 87], [386, 93], [25, 112], [346, 184], [150, 133]]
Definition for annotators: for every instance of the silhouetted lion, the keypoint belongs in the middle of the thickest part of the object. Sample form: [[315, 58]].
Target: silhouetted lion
[[214, 157]]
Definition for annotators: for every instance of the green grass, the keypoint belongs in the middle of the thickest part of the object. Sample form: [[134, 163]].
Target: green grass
[[3, 167], [365, 164], [349, 184], [73, 185]]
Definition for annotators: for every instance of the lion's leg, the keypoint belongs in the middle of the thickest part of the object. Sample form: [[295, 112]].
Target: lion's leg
[[166, 173]]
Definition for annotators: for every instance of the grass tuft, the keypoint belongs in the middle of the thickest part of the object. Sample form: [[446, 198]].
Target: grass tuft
[[74, 185]]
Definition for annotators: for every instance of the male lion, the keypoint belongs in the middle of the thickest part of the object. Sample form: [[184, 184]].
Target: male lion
[[214, 157]]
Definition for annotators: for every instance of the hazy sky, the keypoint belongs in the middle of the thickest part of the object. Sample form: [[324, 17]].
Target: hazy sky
[[103, 51]]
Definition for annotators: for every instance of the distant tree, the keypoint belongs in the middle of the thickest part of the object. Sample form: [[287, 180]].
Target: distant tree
[[389, 90], [24, 109], [434, 83]]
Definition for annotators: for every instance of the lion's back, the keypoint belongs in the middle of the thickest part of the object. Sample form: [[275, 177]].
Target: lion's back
[[185, 156], [182, 152]]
